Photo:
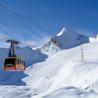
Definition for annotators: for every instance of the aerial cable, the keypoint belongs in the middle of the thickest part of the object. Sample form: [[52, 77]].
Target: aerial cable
[[20, 42], [3, 37], [21, 17]]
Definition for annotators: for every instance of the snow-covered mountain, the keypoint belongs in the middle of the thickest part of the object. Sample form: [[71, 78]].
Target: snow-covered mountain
[[61, 75], [66, 39], [64, 75]]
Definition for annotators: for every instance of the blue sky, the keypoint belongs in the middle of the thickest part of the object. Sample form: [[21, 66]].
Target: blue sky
[[49, 15]]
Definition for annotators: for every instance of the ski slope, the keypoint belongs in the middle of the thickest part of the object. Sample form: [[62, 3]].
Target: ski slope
[[63, 75]]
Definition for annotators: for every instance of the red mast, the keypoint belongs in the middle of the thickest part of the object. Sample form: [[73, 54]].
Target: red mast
[[81, 45]]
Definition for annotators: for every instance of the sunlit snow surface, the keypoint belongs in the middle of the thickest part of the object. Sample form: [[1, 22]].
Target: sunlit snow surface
[[61, 75]]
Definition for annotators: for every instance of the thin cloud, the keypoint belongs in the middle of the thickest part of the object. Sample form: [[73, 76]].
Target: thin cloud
[[85, 32]]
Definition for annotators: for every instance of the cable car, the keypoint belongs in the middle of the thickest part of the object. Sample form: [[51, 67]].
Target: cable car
[[12, 62]]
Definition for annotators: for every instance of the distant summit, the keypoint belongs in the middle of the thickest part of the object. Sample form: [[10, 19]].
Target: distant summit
[[61, 32], [66, 39]]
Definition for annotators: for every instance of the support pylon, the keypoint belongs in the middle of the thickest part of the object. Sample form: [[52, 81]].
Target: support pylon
[[82, 52]]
